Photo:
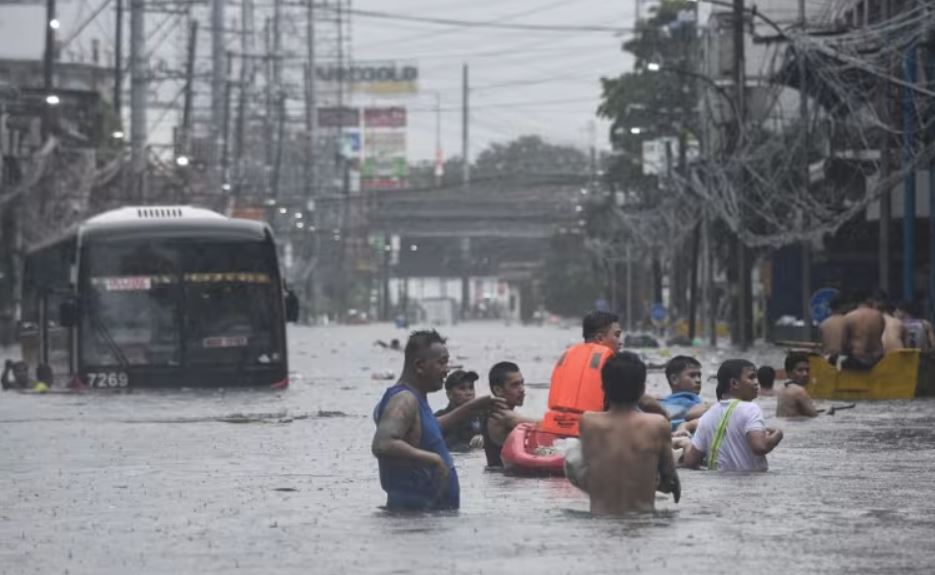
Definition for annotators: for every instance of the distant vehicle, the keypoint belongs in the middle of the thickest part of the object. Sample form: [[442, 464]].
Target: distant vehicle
[[159, 297]]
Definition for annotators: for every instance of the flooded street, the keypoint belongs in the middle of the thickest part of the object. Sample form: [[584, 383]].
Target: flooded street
[[264, 482]]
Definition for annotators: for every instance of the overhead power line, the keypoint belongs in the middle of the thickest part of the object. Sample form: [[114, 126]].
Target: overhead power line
[[423, 36], [497, 25]]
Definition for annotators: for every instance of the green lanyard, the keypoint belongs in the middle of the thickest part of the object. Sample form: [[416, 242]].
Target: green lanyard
[[720, 433]]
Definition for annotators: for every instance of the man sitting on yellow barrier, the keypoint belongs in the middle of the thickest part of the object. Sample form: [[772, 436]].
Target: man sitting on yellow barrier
[[863, 337]]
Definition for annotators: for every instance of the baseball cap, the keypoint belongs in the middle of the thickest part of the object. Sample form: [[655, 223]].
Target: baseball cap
[[459, 376]]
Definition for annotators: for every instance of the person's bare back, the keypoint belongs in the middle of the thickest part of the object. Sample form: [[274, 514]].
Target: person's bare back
[[624, 452], [894, 333], [864, 334], [832, 335]]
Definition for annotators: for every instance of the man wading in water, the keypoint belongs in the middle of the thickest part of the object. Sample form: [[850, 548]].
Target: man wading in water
[[732, 435], [416, 469], [625, 454], [793, 400]]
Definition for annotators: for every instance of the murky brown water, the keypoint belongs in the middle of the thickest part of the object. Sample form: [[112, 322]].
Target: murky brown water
[[166, 483]]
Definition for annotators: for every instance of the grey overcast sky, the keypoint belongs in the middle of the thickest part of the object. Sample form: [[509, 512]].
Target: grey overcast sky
[[523, 82]]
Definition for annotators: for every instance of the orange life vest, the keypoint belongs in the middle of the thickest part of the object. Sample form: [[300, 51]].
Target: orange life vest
[[575, 388]]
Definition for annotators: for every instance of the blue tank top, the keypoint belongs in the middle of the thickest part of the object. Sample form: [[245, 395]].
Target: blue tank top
[[409, 485]]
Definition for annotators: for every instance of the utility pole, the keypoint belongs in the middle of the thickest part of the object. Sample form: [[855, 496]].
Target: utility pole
[[311, 106], [268, 116], [886, 163], [657, 266], [629, 269], [439, 155], [47, 65], [189, 86], [138, 81], [465, 125], [710, 295], [183, 145], [225, 126], [246, 80], [218, 93], [930, 77], [118, 60], [592, 150], [280, 136], [311, 156], [806, 129], [744, 287], [693, 281], [909, 182], [346, 228], [682, 262]]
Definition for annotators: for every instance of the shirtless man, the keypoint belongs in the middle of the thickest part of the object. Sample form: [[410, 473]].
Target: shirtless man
[[894, 332], [626, 454], [863, 337], [416, 469], [832, 330], [506, 383], [793, 400]]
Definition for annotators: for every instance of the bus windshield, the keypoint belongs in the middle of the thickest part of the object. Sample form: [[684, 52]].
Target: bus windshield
[[175, 303]]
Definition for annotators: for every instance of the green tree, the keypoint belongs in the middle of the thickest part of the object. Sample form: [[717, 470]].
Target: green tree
[[570, 285], [529, 156]]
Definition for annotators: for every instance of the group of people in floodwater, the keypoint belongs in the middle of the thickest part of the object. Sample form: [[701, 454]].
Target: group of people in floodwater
[[631, 448], [862, 328]]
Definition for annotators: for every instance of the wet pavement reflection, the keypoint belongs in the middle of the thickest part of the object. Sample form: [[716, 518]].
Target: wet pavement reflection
[[263, 482]]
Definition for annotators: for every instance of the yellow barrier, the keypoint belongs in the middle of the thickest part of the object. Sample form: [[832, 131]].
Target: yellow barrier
[[895, 377]]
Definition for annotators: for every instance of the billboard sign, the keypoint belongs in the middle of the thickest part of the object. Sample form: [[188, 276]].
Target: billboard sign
[[350, 146], [394, 117], [384, 168], [378, 184], [335, 117], [386, 144], [374, 78]]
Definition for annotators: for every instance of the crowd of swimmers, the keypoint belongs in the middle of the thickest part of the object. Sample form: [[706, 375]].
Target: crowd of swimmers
[[630, 444]]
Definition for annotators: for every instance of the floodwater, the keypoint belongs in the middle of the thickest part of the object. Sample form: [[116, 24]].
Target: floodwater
[[262, 482]]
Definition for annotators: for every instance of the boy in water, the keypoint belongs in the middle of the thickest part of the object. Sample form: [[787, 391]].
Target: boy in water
[[684, 404], [793, 400], [732, 435], [459, 386], [626, 454]]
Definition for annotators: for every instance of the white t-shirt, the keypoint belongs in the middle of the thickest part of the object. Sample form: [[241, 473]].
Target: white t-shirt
[[735, 453]]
